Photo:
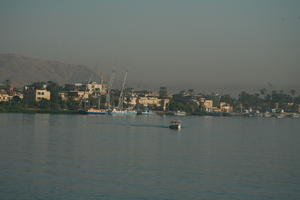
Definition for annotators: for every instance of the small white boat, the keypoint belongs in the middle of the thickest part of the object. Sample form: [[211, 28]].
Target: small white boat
[[122, 112], [180, 113], [176, 124], [144, 112], [280, 116], [267, 115], [94, 111]]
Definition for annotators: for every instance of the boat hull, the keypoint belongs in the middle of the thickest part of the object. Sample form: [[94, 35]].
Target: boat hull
[[122, 113], [94, 111], [176, 127], [179, 113], [144, 113], [97, 113]]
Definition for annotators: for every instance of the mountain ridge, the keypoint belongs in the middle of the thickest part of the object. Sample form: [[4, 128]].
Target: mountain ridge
[[22, 70]]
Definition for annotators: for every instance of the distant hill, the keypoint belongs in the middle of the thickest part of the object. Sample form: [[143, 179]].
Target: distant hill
[[21, 70]]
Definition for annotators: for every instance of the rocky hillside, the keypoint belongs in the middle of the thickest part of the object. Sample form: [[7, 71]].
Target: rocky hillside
[[21, 70]]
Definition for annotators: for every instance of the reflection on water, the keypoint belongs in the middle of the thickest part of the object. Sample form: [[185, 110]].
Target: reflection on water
[[137, 157]]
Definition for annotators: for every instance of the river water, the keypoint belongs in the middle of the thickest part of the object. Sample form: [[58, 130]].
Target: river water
[[62, 157]]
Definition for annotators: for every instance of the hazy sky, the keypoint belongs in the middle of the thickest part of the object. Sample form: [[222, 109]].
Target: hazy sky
[[202, 44]]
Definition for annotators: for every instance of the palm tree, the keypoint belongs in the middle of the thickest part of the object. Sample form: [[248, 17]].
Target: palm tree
[[263, 91], [293, 92], [7, 82]]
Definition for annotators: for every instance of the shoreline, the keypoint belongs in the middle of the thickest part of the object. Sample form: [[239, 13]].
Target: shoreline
[[159, 113], [40, 111]]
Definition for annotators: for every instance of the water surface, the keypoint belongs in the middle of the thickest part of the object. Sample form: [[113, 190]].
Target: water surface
[[46, 156]]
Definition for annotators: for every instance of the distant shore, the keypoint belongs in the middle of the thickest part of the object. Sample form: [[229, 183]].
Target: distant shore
[[160, 113], [38, 111]]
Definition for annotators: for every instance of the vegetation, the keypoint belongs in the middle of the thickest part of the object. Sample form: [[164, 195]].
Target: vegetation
[[180, 102]]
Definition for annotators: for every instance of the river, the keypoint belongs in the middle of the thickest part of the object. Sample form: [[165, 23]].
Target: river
[[62, 157]]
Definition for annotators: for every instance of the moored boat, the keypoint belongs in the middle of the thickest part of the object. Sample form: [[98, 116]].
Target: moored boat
[[122, 112], [144, 112], [267, 115], [180, 113], [94, 111]]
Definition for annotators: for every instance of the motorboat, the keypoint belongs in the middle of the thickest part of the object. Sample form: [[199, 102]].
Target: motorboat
[[175, 124]]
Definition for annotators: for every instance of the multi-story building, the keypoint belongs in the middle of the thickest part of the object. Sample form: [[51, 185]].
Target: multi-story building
[[77, 95], [33, 94], [149, 101], [4, 97], [63, 95], [42, 94], [224, 107], [208, 105], [80, 91], [132, 101], [96, 88]]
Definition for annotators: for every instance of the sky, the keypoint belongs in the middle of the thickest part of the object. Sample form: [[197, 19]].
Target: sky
[[201, 44]]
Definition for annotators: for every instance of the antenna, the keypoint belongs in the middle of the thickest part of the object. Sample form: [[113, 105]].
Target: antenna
[[121, 98], [99, 99]]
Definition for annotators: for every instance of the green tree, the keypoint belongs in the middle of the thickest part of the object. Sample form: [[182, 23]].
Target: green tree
[[55, 100], [183, 103], [44, 104], [227, 99], [38, 85], [293, 92], [190, 91], [163, 93], [71, 105], [250, 100], [263, 91]]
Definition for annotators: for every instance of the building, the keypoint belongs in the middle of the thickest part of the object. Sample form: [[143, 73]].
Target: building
[[96, 88], [63, 95], [4, 97], [208, 105], [80, 91], [19, 94], [77, 95], [224, 107], [42, 94], [149, 101], [34, 93], [132, 101]]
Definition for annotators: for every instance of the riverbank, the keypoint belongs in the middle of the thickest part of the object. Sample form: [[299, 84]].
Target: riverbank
[[40, 111], [214, 114]]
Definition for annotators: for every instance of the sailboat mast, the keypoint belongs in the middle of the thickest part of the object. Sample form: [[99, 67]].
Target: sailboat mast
[[121, 98], [99, 100]]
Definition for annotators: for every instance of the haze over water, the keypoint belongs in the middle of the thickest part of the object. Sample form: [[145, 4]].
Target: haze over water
[[46, 156], [206, 45]]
